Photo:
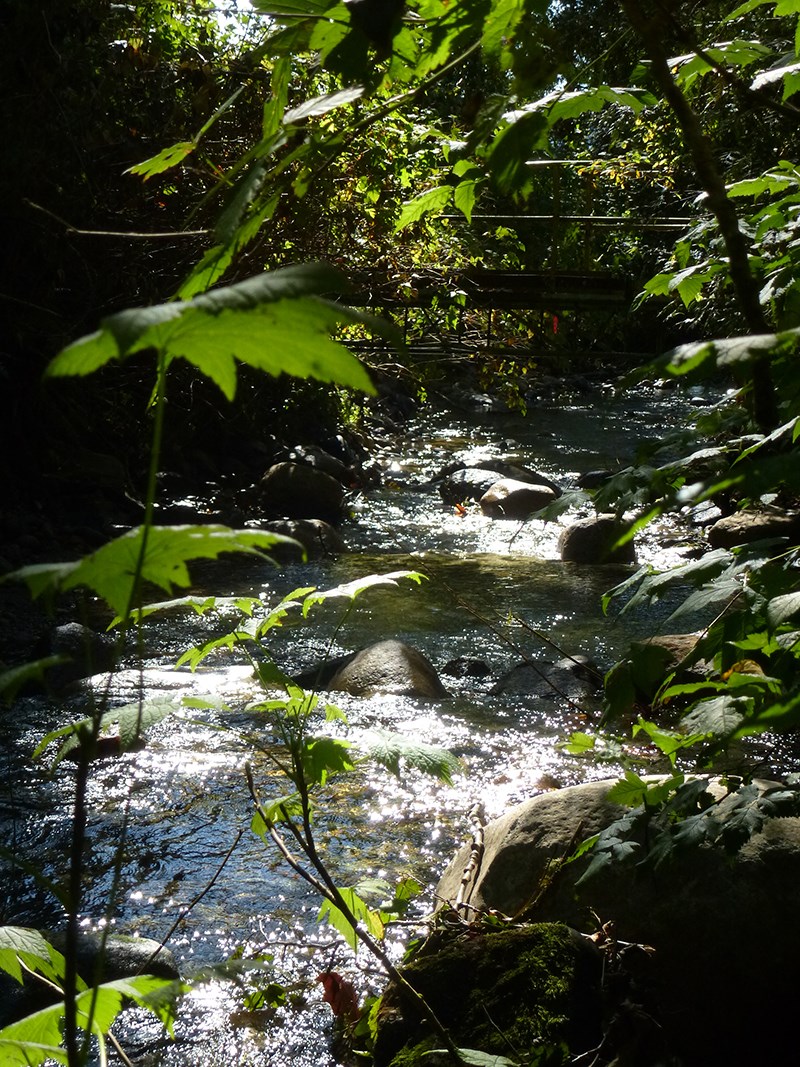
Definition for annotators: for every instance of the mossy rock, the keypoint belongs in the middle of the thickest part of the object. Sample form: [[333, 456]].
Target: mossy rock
[[510, 988]]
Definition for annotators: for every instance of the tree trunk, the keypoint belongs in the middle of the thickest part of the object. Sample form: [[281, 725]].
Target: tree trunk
[[652, 30]]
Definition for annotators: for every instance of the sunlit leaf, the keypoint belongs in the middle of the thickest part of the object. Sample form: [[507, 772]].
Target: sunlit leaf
[[111, 571], [434, 200], [164, 160], [24, 946], [351, 590]]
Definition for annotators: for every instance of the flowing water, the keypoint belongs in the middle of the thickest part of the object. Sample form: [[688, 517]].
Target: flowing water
[[495, 590]]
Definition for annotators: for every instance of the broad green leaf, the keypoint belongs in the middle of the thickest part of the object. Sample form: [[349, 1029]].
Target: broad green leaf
[[273, 321], [512, 147], [323, 756], [571, 105], [131, 720], [669, 742], [472, 1057], [23, 946], [433, 200], [350, 590], [629, 791], [500, 26], [111, 570], [369, 918], [781, 608], [37, 1038], [164, 160], [465, 195], [711, 597], [721, 716], [321, 105], [390, 749], [771, 181], [579, 744], [275, 811]]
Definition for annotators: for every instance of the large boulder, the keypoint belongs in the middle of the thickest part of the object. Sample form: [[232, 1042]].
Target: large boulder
[[724, 933], [386, 667], [744, 527], [512, 499], [298, 491], [468, 483], [593, 540], [573, 678]]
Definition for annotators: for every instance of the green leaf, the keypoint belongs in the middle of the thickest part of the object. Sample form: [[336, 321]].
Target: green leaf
[[351, 590], [781, 608], [22, 946], [273, 321], [131, 721], [670, 742], [323, 756], [389, 749], [321, 105], [166, 158], [370, 919], [571, 105], [512, 147], [473, 1057], [720, 716], [464, 196], [579, 744], [500, 26], [111, 570], [434, 200], [630, 791]]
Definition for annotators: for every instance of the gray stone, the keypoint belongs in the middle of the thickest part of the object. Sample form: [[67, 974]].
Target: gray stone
[[744, 527], [511, 499], [574, 679], [297, 491], [592, 540], [724, 933], [315, 537], [386, 667]]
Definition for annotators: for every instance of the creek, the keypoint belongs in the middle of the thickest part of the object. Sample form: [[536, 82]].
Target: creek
[[179, 802]]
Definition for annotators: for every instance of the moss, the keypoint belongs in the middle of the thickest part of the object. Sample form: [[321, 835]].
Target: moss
[[501, 991]]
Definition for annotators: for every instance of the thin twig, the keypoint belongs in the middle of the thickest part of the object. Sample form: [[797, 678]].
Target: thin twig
[[192, 903], [112, 233]]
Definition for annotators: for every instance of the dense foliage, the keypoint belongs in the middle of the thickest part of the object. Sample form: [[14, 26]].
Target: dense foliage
[[390, 136]]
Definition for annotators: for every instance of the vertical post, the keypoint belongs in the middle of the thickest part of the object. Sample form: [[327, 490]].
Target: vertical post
[[588, 210], [556, 231]]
